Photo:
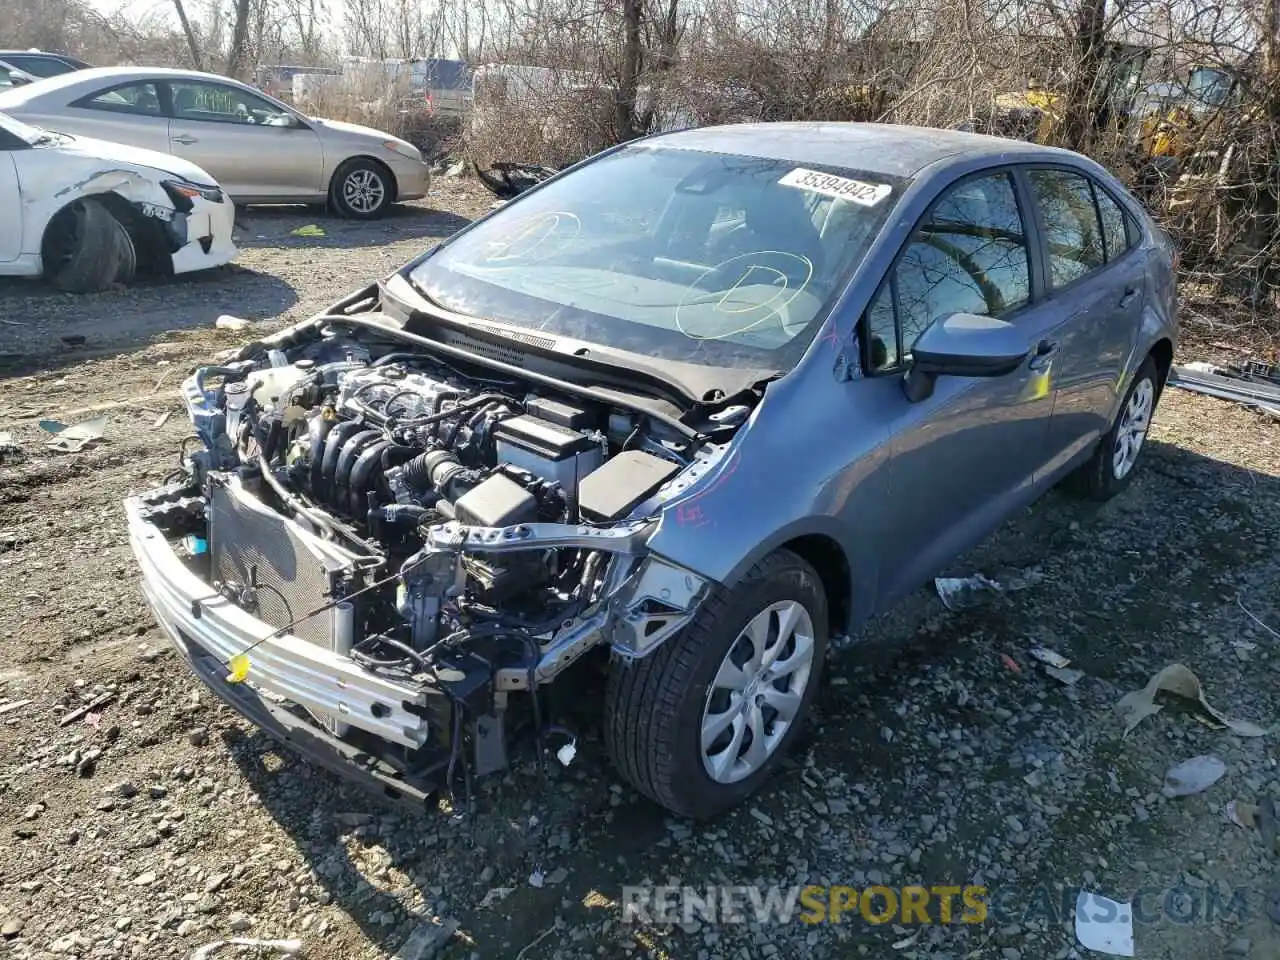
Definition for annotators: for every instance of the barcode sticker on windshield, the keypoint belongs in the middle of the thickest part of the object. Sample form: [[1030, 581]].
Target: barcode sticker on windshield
[[856, 191]]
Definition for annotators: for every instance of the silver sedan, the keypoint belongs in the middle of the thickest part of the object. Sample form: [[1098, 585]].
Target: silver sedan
[[259, 149]]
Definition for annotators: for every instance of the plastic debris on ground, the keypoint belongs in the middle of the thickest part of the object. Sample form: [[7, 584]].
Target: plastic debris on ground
[[1104, 925], [228, 322], [957, 593], [288, 948], [310, 230], [1056, 666], [8, 447], [566, 753], [496, 895], [74, 437], [1050, 657], [1193, 776], [1068, 676], [1180, 681]]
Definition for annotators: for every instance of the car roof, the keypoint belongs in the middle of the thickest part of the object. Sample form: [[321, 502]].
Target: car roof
[[97, 76], [887, 148]]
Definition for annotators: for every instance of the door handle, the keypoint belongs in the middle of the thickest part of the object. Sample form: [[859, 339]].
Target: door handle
[[185, 140], [1046, 350], [1129, 295]]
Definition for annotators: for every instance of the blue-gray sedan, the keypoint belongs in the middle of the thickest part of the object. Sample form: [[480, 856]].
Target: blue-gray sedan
[[682, 413]]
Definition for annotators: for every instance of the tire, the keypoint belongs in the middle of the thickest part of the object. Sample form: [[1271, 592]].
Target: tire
[[87, 249], [1106, 474], [362, 190], [655, 707]]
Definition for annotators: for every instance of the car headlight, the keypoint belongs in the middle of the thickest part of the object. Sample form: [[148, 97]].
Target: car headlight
[[181, 192], [403, 149]]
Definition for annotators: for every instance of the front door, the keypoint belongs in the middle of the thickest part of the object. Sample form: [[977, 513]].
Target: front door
[[10, 205], [129, 113], [250, 146], [962, 459]]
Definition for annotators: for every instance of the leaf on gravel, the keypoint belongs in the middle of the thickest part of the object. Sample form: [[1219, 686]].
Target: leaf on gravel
[[1193, 776], [1180, 681]]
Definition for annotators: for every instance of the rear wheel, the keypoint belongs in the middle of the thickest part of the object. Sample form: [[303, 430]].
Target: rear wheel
[[703, 721], [86, 249], [1111, 467], [363, 190]]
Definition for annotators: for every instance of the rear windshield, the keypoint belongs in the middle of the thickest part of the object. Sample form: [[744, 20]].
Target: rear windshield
[[711, 258]]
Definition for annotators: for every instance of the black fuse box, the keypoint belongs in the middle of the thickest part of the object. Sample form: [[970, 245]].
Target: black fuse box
[[623, 483]]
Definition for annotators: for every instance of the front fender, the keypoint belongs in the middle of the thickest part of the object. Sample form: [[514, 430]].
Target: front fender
[[812, 461]]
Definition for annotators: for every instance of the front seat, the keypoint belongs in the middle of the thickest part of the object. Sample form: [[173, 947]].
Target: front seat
[[775, 221], [184, 101]]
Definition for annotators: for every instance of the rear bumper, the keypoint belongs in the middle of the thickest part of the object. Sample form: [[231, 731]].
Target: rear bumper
[[203, 624]]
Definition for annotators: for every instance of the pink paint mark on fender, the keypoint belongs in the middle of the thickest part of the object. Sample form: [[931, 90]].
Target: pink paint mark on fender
[[690, 513]]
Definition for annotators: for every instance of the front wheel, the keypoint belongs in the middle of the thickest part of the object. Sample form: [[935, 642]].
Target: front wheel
[[363, 190], [703, 721], [1111, 467]]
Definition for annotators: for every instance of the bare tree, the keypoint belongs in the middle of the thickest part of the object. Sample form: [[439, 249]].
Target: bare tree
[[239, 39], [193, 44]]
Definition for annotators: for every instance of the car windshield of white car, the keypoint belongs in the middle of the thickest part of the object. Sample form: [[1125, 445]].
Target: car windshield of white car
[[711, 258]]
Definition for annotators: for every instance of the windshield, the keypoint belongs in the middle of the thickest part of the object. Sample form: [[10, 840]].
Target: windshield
[[1210, 86], [22, 131], [708, 258]]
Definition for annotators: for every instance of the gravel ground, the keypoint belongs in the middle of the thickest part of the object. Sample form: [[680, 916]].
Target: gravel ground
[[940, 752]]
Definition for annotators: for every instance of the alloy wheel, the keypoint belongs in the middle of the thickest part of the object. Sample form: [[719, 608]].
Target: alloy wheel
[[1132, 432], [757, 692]]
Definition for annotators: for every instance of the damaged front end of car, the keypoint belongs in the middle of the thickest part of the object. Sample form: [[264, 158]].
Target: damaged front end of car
[[385, 546]]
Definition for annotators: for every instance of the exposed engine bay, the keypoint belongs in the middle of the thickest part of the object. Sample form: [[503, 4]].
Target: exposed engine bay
[[447, 526]]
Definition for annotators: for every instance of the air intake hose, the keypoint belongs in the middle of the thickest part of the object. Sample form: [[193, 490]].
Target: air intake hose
[[438, 469]]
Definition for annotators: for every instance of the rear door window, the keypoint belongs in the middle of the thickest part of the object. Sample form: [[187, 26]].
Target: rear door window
[[137, 98], [1116, 232], [1073, 232]]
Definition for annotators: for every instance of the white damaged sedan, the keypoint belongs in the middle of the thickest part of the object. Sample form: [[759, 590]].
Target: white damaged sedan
[[86, 213]]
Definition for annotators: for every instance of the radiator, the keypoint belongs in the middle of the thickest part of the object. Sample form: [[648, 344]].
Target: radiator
[[292, 567]]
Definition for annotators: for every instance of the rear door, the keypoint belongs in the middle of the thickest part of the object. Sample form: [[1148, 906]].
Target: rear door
[[1095, 285], [250, 146]]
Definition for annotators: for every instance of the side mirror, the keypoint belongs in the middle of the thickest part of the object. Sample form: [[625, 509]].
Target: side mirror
[[963, 345]]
